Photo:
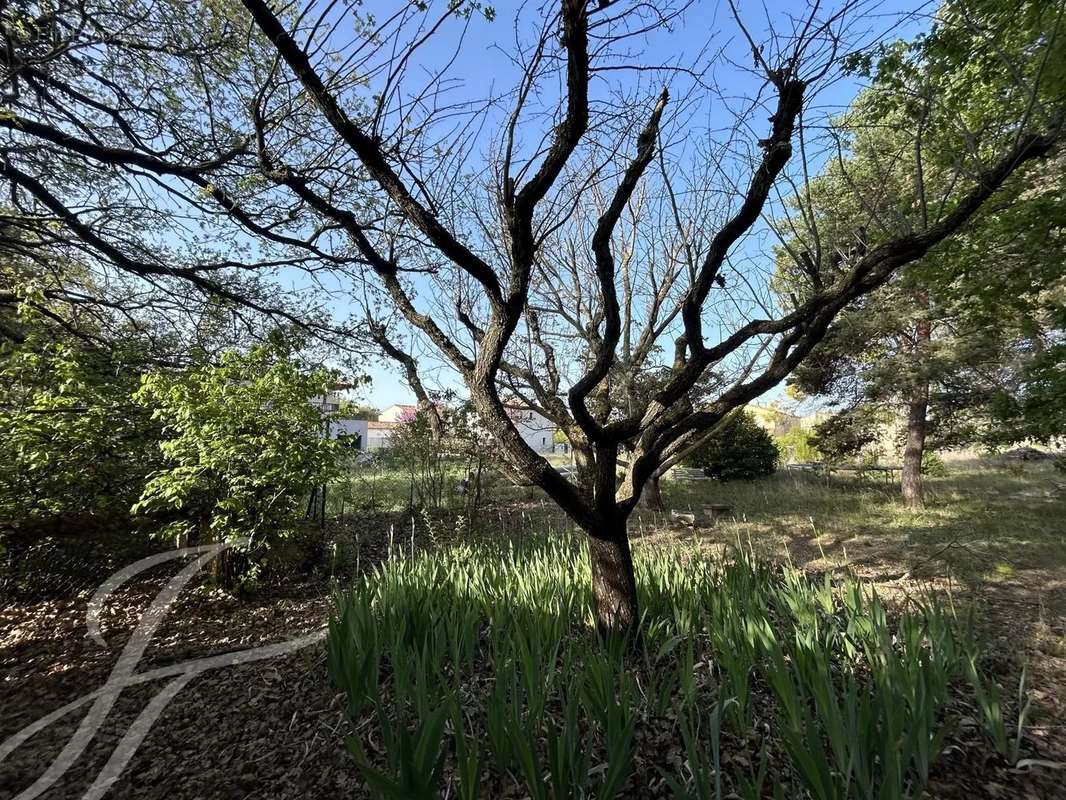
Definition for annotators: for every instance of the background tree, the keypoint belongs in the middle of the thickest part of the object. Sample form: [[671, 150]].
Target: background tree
[[420, 448], [849, 434], [350, 410], [739, 449], [797, 446], [942, 339], [324, 141]]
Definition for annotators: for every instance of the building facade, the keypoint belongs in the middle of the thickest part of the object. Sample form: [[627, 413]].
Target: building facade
[[535, 429], [369, 435]]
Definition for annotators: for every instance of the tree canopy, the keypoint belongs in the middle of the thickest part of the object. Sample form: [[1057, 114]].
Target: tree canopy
[[951, 340]]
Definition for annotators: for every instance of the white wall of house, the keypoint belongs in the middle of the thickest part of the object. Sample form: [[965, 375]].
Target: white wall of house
[[537, 431], [378, 435], [398, 412], [349, 427]]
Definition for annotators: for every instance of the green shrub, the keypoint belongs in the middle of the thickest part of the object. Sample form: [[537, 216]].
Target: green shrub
[[933, 465], [74, 444], [797, 446], [479, 661], [738, 450], [242, 448]]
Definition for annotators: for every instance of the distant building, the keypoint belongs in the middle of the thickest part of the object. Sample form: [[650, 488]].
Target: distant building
[[354, 430], [379, 434], [362, 434], [398, 412], [535, 429], [778, 422], [330, 402]]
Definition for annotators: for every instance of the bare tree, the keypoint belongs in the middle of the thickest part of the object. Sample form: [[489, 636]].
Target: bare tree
[[561, 240]]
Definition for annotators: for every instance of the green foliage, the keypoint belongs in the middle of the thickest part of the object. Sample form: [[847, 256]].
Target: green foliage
[[974, 331], [350, 410], [241, 445], [739, 449], [933, 465], [74, 442], [1034, 410], [420, 451], [446, 465], [845, 436], [990, 705], [498, 637], [797, 446]]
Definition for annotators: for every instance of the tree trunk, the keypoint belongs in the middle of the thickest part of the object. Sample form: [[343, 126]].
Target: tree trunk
[[652, 496], [911, 482], [614, 586], [917, 411]]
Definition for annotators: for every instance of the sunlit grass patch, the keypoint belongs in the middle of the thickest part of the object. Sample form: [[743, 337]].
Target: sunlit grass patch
[[473, 670], [974, 518], [1003, 570]]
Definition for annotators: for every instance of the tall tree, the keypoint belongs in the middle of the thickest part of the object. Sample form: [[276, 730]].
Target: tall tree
[[943, 340], [334, 143]]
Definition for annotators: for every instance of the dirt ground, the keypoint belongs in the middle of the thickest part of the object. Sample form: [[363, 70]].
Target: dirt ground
[[267, 729]]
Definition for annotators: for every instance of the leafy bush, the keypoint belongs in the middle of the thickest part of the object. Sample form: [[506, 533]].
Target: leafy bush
[[933, 465], [738, 450], [74, 443], [796, 446], [846, 435], [478, 661], [446, 468], [242, 447]]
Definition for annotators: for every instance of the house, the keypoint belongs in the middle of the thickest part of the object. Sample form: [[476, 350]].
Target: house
[[356, 431], [398, 412], [330, 401], [535, 429], [353, 430], [379, 434], [363, 434]]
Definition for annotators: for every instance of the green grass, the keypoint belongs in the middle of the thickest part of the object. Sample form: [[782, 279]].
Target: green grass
[[980, 526], [384, 484], [473, 671]]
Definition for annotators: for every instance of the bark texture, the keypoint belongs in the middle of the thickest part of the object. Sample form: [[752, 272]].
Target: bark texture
[[614, 586], [652, 495], [911, 482]]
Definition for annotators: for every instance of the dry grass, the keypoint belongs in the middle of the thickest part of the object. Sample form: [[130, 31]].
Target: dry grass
[[981, 526]]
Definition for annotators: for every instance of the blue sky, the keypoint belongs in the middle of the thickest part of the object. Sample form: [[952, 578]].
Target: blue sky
[[482, 65]]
